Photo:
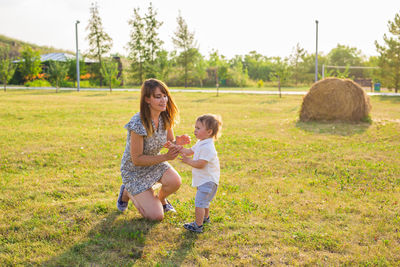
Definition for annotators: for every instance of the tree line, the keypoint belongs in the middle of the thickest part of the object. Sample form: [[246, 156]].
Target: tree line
[[186, 66]]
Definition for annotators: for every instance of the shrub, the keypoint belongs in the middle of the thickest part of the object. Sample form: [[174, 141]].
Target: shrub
[[38, 83], [260, 83]]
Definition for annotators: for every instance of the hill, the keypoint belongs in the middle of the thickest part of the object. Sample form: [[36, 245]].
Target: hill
[[17, 45]]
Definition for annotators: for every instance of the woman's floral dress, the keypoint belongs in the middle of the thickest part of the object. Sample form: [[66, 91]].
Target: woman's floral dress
[[138, 179]]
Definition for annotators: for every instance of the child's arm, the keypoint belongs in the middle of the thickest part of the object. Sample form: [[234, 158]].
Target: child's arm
[[198, 164], [187, 151]]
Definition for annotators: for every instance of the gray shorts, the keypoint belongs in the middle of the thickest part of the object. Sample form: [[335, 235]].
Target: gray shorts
[[205, 194]]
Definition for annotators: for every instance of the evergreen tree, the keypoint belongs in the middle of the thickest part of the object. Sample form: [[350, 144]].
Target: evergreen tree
[[100, 42], [137, 45], [295, 59], [153, 43], [144, 45], [184, 40], [7, 68], [389, 55]]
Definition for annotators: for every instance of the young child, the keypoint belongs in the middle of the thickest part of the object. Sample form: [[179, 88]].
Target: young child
[[206, 170]]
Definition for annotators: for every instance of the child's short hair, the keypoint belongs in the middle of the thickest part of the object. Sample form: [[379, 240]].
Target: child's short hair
[[212, 122]]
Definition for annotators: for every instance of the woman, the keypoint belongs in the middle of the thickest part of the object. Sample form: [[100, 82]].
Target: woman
[[142, 165]]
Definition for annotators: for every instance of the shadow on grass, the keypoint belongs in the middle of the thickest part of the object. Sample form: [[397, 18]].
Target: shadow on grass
[[334, 128], [393, 99], [109, 243], [201, 100], [40, 91], [95, 95], [176, 257]]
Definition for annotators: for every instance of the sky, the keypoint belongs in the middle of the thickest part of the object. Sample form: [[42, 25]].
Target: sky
[[271, 28]]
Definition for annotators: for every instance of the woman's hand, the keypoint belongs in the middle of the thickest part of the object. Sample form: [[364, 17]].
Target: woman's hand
[[183, 140], [168, 144], [173, 152]]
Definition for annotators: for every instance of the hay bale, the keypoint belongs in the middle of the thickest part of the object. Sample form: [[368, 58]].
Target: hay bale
[[335, 99]]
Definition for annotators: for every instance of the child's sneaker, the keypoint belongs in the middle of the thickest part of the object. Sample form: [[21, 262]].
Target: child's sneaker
[[193, 227], [206, 220], [168, 207], [121, 205]]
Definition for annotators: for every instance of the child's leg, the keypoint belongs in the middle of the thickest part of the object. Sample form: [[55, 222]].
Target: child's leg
[[199, 215], [206, 213]]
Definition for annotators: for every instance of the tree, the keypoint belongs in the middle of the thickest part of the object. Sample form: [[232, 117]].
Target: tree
[[344, 55], [219, 66], [162, 65], [100, 42], [307, 66], [30, 64], [238, 74], [57, 72], [109, 70], [258, 66], [136, 45], [7, 68], [295, 59], [71, 73], [184, 40], [200, 69], [152, 42], [281, 71], [144, 45], [389, 55]]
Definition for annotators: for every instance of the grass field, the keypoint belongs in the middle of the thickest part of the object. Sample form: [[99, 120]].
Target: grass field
[[291, 193]]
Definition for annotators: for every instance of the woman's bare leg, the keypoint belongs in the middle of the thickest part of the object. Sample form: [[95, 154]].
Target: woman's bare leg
[[148, 205], [171, 181]]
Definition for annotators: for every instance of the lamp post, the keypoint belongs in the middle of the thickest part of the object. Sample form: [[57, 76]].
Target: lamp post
[[316, 52], [77, 57]]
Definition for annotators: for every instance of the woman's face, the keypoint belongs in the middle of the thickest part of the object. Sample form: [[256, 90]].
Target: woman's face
[[158, 101]]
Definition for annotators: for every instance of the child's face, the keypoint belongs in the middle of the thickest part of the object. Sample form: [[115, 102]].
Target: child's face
[[201, 132]]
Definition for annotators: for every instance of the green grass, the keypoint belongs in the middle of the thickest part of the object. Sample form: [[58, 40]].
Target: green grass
[[291, 193]]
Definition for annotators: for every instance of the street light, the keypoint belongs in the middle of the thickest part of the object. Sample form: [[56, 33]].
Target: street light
[[316, 52], [77, 57]]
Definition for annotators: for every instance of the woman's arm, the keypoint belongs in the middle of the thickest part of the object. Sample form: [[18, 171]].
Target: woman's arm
[[170, 135], [138, 159]]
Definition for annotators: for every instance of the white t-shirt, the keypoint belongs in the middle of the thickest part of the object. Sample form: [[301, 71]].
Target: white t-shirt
[[205, 149]]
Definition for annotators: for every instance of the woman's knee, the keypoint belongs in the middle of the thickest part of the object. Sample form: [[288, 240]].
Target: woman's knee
[[154, 215], [177, 182], [171, 179]]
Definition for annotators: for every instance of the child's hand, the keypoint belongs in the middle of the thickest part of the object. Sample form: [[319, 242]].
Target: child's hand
[[183, 140], [184, 158]]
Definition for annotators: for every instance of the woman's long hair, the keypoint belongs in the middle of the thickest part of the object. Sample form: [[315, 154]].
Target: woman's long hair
[[169, 116]]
